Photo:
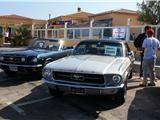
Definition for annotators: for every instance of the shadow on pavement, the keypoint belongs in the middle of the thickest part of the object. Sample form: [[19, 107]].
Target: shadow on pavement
[[146, 104], [66, 107], [6, 81]]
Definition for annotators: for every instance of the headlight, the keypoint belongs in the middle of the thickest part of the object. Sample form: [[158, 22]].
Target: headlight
[[23, 59], [34, 60], [1, 58], [116, 79], [46, 73]]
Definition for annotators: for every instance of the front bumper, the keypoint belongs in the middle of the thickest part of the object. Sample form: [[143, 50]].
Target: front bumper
[[21, 68], [83, 89]]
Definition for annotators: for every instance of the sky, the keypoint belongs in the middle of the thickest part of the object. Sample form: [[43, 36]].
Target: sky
[[40, 9]]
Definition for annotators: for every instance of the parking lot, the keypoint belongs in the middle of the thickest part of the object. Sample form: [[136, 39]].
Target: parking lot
[[25, 97]]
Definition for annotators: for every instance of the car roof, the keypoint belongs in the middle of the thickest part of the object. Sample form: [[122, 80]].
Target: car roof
[[81, 41], [53, 39], [65, 42], [104, 40]]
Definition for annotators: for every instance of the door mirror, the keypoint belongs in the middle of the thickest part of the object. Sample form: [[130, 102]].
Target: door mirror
[[131, 55]]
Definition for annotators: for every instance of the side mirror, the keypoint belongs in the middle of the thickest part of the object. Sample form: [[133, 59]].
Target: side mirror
[[131, 53], [131, 56]]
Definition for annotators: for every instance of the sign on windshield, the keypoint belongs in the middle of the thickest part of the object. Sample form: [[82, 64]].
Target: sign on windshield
[[110, 50]]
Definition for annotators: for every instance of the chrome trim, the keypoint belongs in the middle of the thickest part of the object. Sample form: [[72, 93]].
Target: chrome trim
[[82, 86], [39, 65]]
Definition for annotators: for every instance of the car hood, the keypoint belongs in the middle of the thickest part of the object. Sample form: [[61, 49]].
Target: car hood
[[27, 52], [90, 64]]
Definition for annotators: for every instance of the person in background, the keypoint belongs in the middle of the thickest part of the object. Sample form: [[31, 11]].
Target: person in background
[[6, 36], [149, 46], [138, 44]]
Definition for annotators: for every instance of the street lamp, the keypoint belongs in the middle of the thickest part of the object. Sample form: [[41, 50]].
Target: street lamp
[[49, 16]]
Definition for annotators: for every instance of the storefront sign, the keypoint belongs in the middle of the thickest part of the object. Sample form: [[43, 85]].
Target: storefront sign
[[119, 32]]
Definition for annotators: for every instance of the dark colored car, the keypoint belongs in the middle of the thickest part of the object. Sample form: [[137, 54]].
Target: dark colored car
[[34, 57]]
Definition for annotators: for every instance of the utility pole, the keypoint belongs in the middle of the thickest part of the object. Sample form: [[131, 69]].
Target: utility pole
[[128, 29]]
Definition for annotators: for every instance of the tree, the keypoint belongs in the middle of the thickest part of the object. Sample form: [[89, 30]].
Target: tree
[[149, 12], [21, 34]]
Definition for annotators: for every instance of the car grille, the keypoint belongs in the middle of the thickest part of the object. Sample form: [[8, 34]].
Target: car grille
[[79, 77], [12, 59]]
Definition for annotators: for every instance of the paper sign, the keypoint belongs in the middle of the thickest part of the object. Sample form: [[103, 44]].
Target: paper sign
[[110, 50], [119, 32]]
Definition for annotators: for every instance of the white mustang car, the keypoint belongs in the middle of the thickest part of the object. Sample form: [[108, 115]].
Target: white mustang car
[[95, 67]]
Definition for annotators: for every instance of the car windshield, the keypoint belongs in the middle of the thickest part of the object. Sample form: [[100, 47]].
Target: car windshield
[[52, 45], [99, 48]]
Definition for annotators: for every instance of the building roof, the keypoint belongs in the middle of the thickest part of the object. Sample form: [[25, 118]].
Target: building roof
[[22, 18], [13, 16], [39, 22], [117, 11], [74, 16]]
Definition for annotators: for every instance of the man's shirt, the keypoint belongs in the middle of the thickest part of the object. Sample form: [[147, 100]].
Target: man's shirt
[[139, 40], [150, 44]]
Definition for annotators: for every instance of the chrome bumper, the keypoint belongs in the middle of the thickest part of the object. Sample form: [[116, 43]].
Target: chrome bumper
[[21, 68], [89, 90], [39, 65]]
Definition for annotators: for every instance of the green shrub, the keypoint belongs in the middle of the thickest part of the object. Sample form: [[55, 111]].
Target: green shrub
[[21, 34]]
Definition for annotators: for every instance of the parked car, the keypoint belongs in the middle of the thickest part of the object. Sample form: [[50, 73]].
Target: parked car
[[96, 67], [35, 57]]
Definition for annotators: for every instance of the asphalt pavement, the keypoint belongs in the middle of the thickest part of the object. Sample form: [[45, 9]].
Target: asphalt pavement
[[23, 97]]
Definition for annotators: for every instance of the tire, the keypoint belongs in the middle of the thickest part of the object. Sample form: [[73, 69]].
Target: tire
[[130, 75], [120, 96], [54, 92], [9, 73]]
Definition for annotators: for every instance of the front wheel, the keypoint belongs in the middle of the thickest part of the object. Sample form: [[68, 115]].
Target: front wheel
[[120, 96]]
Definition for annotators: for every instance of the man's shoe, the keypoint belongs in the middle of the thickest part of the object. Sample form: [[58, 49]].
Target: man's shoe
[[153, 84]]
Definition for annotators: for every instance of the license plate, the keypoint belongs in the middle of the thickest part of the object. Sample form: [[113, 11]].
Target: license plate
[[77, 90], [13, 68]]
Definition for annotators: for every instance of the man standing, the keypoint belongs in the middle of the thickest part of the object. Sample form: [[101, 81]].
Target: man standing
[[138, 44], [149, 46]]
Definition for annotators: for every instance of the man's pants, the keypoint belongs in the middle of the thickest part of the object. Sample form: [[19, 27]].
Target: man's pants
[[148, 68], [141, 69]]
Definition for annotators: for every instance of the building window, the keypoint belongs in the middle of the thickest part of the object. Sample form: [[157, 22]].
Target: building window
[[104, 22]]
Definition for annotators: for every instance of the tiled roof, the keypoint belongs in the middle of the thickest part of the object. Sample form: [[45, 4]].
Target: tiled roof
[[13, 16], [74, 16], [117, 11], [26, 19], [35, 21]]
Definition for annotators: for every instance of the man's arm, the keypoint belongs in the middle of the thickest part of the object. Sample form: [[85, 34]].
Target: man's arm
[[158, 44], [144, 45]]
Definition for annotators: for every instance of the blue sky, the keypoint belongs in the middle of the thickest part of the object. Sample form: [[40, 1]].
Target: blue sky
[[40, 9]]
